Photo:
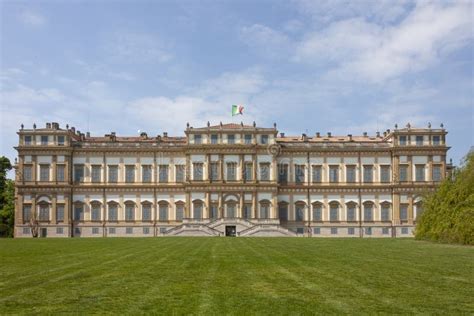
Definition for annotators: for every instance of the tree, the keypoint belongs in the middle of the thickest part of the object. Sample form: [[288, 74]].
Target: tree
[[7, 199], [449, 212]]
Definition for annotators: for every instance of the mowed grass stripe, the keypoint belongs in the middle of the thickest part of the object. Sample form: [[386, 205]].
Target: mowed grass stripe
[[235, 276]]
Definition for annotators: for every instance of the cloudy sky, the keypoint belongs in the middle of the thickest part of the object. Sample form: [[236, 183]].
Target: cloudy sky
[[338, 66]]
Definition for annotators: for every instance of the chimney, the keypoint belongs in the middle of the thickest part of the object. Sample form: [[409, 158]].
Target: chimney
[[88, 134], [378, 134], [318, 134], [165, 134], [350, 137], [329, 134], [365, 134], [304, 137], [78, 132], [73, 129], [48, 125], [385, 133], [158, 138], [143, 135], [55, 125], [282, 134], [388, 130]]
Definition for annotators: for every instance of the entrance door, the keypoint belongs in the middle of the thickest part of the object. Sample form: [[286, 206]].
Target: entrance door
[[43, 232], [230, 231]]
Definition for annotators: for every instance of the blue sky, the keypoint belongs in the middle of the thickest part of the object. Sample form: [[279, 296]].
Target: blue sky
[[338, 66]]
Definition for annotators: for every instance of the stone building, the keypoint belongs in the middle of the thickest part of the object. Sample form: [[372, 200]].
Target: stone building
[[225, 180]]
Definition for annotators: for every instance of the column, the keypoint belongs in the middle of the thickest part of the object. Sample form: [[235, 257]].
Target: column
[[187, 208], [241, 163], [53, 209], [254, 162], [254, 206], [19, 210], [240, 210], [221, 167], [396, 209], [410, 210], [53, 167], [221, 206], [274, 206]]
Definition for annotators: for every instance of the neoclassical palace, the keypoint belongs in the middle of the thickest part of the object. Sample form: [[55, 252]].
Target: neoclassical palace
[[225, 180]]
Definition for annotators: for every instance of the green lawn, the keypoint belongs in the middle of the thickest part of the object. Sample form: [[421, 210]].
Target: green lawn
[[235, 276]]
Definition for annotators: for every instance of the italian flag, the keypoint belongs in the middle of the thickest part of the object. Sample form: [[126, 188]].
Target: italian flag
[[237, 109]]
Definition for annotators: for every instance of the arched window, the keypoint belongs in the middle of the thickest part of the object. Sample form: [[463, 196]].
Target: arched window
[[78, 211], [418, 210], [264, 209], [197, 209], [129, 211], [283, 211], [146, 211], [368, 211], [299, 211], [317, 212], [230, 209], [162, 211], [112, 215], [43, 211], [247, 211], [385, 212], [351, 212], [333, 211], [179, 211], [95, 211]]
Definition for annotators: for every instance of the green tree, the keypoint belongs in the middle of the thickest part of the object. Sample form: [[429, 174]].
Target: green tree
[[7, 199], [449, 212]]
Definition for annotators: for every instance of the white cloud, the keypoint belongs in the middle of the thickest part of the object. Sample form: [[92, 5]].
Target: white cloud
[[32, 18], [268, 41]]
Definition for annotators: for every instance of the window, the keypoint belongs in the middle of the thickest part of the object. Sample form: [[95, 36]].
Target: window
[[264, 139], [78, 173], [350, 174], [77, 231], [368, 213], [26, 230], [384, 174], [351, 212], [146, 212], [44, 212], [95, 174], [436, 173], [129, 212], [112, 230], [317, 212], [60, 176], [213, 210], [130, 174], [44, 140], [403, 170], [27, 173], [317, 231], [248, 139], [403, 212], [230, 210], [405, 230], [419, 210], [163, 212], [163, 173], [299, 212], [28, 140], [59, 231], [420, 172], [231, 171], [95, 212], [385, 212], [264, 210], [214, 171], [351, 231], [368, 231], [197, 139], [146, 173], [163, 230], [247, 211], [436, 140], [299, 174], [113, 174], [44, 172], [59, 213], [129, 230], [282, 173], [95, 230], [197, 171], [300, 230], [26, 212], [333, 212], [180, 173], [113, 214], [333, 230], [61, 140], [334, 174], [78, 212], [419, 140], [214, 139], [283, 212], [248, 171], [402, 140], [146, 230], [368, 174], [197, 210], [179, 212], [231, 139], [385, 231], [265, 171]]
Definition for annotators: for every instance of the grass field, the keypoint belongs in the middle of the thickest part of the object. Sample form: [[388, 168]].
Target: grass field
[[235, 276]]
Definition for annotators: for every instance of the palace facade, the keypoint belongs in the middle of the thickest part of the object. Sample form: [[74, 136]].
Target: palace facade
[[225, 180]]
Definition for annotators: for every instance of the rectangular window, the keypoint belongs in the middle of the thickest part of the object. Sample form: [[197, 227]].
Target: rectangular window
[[60, 176], [59, 231], [61, 140], [385, 231], [264, 210], [95, 212], [334, 174], [130, 174], [214, 171], [113, 214], [146, 212], [179, 173], [27, 173], [79, 212], [368, 213], [231, 139], [146, 230], [213, 210], [44, 172], [264, 171], [248, 172], [368, 174], [129, 212], [436, 173], [420, 172], [247, 211], [26, 213], [351, 213], [197, 211], [197, 171], [163, 173], [214, 139], [419, 140], [264, 139], [231, 171], [248, 139], [113, 174], [402, 140], [385, 174], [350, 174], [77, 231], [283, 212], [300, 230], [385, 213], [44, 140], [26, 231], [333, 213], [112, 230], [129, 230], [282, 173], [44, 212], [368, 231], [299, 174], [351, 231], [317, 213], [78, 173], [436, 140], [95, 230], [317, 231], [60, 213], [28, 140], [146, 173], [179, 212], [299, 212], [197, 139], [333, 230], [163, 212], [403, 212], [405, 230], [403, 170], [163, 230], [96, 173]]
